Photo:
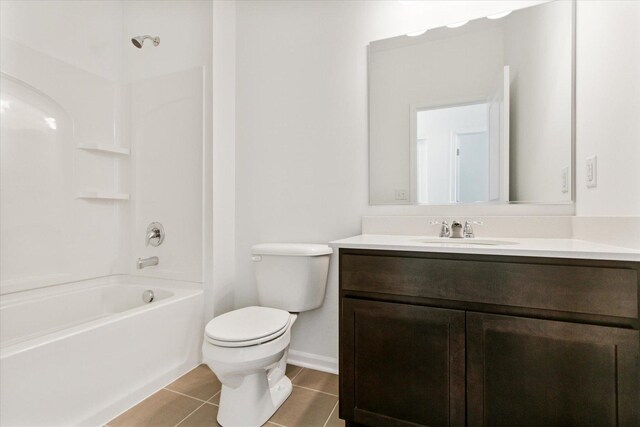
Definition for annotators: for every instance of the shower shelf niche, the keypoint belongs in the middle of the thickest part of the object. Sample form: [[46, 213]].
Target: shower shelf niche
[[103, 148], [103, 195]]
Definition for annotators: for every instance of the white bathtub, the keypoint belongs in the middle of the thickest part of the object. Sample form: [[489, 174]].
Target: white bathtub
[[81, 354]]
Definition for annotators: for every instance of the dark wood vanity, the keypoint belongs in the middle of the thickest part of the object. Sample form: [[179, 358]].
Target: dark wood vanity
[[435, 339]]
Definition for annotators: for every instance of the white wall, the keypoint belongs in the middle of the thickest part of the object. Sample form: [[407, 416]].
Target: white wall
[[538, 51], [219, 294], [301, 131], [608, 106]]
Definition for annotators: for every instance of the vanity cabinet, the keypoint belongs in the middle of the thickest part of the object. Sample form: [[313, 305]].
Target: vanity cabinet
[[431, 339]]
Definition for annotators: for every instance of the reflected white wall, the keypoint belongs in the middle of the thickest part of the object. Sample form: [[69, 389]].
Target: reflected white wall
[[538, 51], [421, 75]]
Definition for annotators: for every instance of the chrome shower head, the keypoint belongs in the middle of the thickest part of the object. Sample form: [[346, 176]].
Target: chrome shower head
[[138, 41]]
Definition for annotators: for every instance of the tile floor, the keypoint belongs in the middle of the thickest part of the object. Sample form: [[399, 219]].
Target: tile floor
[[192, 400]]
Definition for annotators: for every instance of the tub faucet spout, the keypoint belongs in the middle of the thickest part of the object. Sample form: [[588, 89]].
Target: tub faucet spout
[[147, 262]]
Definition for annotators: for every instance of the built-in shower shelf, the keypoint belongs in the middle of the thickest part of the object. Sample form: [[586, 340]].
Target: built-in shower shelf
[[104, 195], [103, 148]]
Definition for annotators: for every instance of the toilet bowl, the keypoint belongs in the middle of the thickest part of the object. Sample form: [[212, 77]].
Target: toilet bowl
[[252, 372], [247, 348]]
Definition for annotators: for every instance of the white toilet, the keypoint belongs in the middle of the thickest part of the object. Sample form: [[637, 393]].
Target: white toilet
[[247, 348]]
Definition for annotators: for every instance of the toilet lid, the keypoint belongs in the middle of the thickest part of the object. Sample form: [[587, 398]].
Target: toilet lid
[[247, 326]]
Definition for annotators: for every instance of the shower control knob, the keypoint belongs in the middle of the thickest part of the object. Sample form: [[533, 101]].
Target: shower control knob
[[155, 234]]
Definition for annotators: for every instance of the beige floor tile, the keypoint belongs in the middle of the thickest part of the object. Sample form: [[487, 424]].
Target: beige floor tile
[[200, 383], [334, 420], [205, 416], [161, 409], [215, 399], [317, 380], [292, 371], [305, 408]]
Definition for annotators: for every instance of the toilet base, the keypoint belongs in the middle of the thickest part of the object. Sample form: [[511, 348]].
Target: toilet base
[[254, 384], [253, 402]]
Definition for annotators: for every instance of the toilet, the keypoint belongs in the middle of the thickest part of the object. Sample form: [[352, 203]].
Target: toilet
[[247, 348]]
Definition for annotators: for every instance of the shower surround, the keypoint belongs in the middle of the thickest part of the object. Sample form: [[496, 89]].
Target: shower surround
[[95, 133]]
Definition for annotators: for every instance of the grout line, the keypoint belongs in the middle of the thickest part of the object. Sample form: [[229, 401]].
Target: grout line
[[209, 401], [186, 395], [294, 377], [332, 411], [275, 424], [190, 413], [319, 391]]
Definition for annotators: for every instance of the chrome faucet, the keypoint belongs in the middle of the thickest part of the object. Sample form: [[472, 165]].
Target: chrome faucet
[[456, 230], [147, 262], [468, 230], [155, 234], [445, 231]]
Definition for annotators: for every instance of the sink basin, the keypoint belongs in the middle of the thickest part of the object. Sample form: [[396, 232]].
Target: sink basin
[[458, 242]]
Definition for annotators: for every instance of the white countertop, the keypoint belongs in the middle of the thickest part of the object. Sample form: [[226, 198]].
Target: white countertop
[[553, 248]]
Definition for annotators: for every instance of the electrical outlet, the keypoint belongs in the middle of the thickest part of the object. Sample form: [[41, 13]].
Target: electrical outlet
[[592, 171], [401, 195], [565, 180]]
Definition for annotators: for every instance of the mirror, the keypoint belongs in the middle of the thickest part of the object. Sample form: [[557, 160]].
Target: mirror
[[478, 113]]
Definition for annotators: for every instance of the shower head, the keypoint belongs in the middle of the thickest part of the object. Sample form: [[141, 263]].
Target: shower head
[[138, 41]]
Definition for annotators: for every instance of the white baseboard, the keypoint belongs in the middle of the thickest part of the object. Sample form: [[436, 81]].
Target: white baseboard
[[313, 361]]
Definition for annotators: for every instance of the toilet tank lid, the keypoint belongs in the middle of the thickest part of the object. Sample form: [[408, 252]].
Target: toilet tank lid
[[291, 249]]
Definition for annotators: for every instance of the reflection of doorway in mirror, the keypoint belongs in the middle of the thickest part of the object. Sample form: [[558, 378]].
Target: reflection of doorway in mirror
[[437, 176], [452, 154], [471, 167]]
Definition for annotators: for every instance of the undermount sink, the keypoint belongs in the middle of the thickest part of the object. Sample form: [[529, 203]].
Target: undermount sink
[[473, 241]]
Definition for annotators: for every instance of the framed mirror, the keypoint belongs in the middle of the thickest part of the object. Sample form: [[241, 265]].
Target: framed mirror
[[475, 113]]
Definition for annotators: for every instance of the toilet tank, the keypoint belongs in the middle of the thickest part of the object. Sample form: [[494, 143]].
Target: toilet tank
[[291, 276]]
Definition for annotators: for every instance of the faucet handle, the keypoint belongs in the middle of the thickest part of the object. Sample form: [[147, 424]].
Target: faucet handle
[[445, 231], [468, 229], [155, 234]]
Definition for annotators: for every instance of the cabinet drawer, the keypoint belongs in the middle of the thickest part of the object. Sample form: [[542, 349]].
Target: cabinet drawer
[[574, 287]]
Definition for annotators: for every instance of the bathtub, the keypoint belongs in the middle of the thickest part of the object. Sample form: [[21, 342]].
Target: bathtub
[[81, 354]]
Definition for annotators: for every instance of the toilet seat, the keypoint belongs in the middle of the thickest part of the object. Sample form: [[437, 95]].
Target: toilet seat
[[247, 326]]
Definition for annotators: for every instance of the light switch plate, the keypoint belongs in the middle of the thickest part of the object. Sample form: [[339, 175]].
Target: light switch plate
[[565, 180], [592, 171]]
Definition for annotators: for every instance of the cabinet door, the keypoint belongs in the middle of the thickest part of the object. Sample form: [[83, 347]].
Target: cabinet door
[[401, 365], [530, 372]]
